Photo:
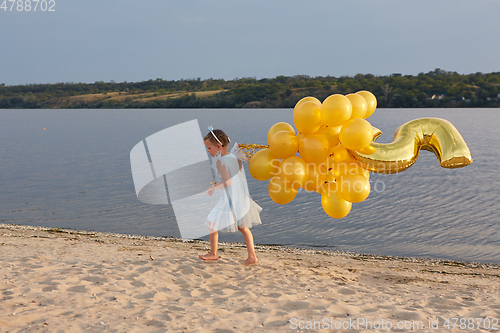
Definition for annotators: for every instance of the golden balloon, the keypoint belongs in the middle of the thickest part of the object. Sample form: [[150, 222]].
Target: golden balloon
[[308, 99], [359, 105], [316, 177], [350, 167], [336, 110], [433, 134], [325, 165], [281, 192], [263, 165], [371, 101], [356, 134], [313, 148], [331, 133], [333, 204], [278, 127], [340, 154], [294, 171], [307, 117], [284, 144], [368, 150], [353, 188]]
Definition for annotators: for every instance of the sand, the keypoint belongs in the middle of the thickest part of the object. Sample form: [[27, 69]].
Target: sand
[[58, 280]]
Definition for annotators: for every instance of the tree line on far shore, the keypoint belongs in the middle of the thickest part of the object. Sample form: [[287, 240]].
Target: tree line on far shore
[[437, 88]]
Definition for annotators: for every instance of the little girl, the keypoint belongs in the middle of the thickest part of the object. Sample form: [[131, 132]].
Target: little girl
[[235, 208]]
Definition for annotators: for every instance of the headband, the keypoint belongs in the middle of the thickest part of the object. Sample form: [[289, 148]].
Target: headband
[[211, 129]]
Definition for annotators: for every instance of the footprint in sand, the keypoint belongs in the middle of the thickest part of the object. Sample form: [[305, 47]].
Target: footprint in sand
[[387, 307], [442, 304], [95, 279], [188, 301], [205, 275], [180, 281], [163, 316], [239, 293], [370, 310], [292, 306], [186, 292], [346, 291], [406, 315], [205, 295], [276, 323], [143, 269], [50, 288], [175, 308], [186, 269], [218, 301], [148, 295], [245, 309], [154, 323], [78, 289], [131, 276], [232, 287], [136, 283]]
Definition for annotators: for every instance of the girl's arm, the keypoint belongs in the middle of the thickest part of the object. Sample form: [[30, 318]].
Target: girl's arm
[[226, 179]]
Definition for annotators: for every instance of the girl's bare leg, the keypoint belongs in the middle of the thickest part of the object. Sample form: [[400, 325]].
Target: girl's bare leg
[[214, 242], [248, 237]]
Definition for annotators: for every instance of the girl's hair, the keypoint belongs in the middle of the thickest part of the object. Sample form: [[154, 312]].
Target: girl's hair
[[220, 135]]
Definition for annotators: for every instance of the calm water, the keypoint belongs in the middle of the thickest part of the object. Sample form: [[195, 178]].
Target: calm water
[[76, 174]]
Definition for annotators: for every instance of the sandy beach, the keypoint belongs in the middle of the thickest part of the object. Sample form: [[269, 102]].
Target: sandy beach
[[59, 280]]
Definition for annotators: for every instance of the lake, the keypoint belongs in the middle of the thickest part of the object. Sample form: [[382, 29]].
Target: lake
[[71, 169]]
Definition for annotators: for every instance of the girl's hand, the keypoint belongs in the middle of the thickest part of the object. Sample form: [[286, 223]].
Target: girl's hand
[[210, 191]]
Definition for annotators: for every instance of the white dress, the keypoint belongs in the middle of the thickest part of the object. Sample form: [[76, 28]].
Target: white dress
[[235, 207]]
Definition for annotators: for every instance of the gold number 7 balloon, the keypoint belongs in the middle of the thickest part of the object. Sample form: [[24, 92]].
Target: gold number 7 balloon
[[432, 134]]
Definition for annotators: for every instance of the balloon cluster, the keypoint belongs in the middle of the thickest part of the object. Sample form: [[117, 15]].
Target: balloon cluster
[[326, 131]]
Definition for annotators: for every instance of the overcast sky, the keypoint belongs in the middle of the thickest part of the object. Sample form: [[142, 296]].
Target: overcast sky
[[90, 40]]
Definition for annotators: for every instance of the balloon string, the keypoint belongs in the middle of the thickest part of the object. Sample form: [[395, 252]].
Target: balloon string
[[250, 148]]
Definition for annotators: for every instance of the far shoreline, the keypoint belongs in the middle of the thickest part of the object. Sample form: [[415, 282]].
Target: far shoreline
[[437, 88]]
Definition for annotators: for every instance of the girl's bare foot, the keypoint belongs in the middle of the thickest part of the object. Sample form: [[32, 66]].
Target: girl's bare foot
[[209, 256], [251, 261]]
